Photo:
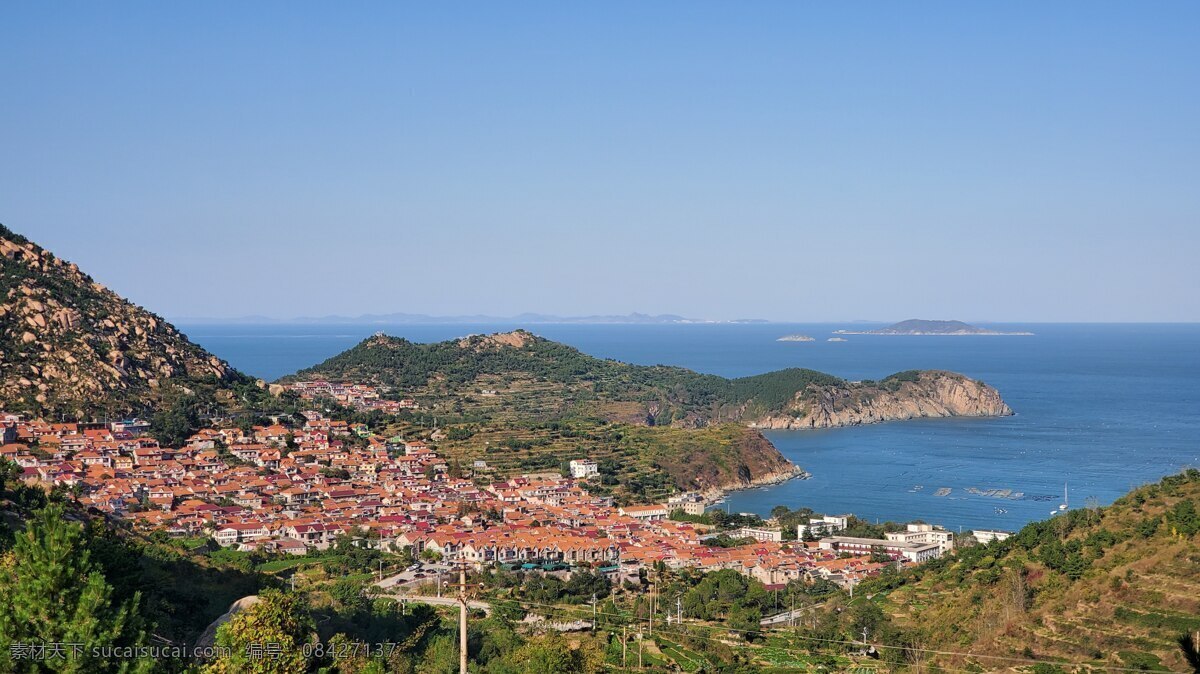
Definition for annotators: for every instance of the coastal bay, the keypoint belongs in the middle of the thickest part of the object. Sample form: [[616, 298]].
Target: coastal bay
[[1103, 407]]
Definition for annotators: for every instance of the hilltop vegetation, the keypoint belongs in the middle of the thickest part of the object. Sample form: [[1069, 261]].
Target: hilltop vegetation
[[1117, 586], [522, 374]]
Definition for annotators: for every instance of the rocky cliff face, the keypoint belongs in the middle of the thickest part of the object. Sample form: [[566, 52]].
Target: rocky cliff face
[[927, 394], [70, 345]]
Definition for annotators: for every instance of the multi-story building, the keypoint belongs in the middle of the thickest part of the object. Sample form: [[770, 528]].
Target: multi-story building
[[690, 503], [989, 535], [823, 526], [912, 551], [774, 535], [924, 533], [581, 469]]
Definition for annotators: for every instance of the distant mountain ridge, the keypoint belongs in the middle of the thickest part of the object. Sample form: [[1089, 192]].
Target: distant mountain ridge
[[916, 326], [633, 318]]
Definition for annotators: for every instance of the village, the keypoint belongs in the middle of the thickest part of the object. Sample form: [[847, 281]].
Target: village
[[291, 489]]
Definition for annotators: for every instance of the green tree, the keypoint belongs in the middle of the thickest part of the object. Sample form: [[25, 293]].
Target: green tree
[[551, 654], [175, 424], [9, 472], [1183, 519], [349, 593], [746, 621], [54, 594], [266, 638]]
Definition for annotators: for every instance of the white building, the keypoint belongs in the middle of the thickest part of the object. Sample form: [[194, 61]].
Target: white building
[[584, 468], [774, 535], [912, 551], [989, 535], [645, 512], [924, 533], [690, 503], [821, 526]]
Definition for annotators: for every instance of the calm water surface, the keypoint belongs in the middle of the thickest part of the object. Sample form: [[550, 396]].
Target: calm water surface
[[1099, 407]]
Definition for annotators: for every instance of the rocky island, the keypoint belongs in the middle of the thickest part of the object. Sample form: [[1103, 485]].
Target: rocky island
[[916, 326], [795, 338]]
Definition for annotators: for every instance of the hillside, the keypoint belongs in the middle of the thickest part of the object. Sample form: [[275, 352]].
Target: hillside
[[69, 345], [1116, 586], [519, 374]]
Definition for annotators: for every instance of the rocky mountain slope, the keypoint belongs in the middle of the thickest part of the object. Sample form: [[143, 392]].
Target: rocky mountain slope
[[69, 345]]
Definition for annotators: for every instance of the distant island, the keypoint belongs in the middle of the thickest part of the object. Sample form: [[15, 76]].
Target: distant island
[[795, 338], [836, 339], [916, 326]]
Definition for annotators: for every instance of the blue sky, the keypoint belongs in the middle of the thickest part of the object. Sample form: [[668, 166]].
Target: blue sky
[[792, 161]]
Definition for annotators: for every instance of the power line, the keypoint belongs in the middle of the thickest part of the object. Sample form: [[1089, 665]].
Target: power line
[[1110, 668], [715, 639]]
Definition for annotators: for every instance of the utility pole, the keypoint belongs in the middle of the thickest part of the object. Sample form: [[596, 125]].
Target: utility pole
[[593, 611], [651, 619], [624, 645], [639, 650], [462, 617], [792, 615], [679, 610]]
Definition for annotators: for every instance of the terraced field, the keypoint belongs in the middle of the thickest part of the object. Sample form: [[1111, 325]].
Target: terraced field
[[1117, 587]]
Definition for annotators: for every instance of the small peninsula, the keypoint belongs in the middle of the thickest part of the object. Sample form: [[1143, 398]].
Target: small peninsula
[[916, 326], [795, 338]]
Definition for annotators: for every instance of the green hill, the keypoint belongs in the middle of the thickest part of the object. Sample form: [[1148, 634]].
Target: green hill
[[1116, 586], [523, 403], [521, 374]]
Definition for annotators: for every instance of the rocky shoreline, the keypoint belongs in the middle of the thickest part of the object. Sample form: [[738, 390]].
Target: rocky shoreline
[[929, 395], [793, 472]]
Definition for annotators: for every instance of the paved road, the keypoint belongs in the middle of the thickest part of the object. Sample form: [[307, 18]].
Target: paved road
[[408, 578], [444, 601], [786, 616]]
